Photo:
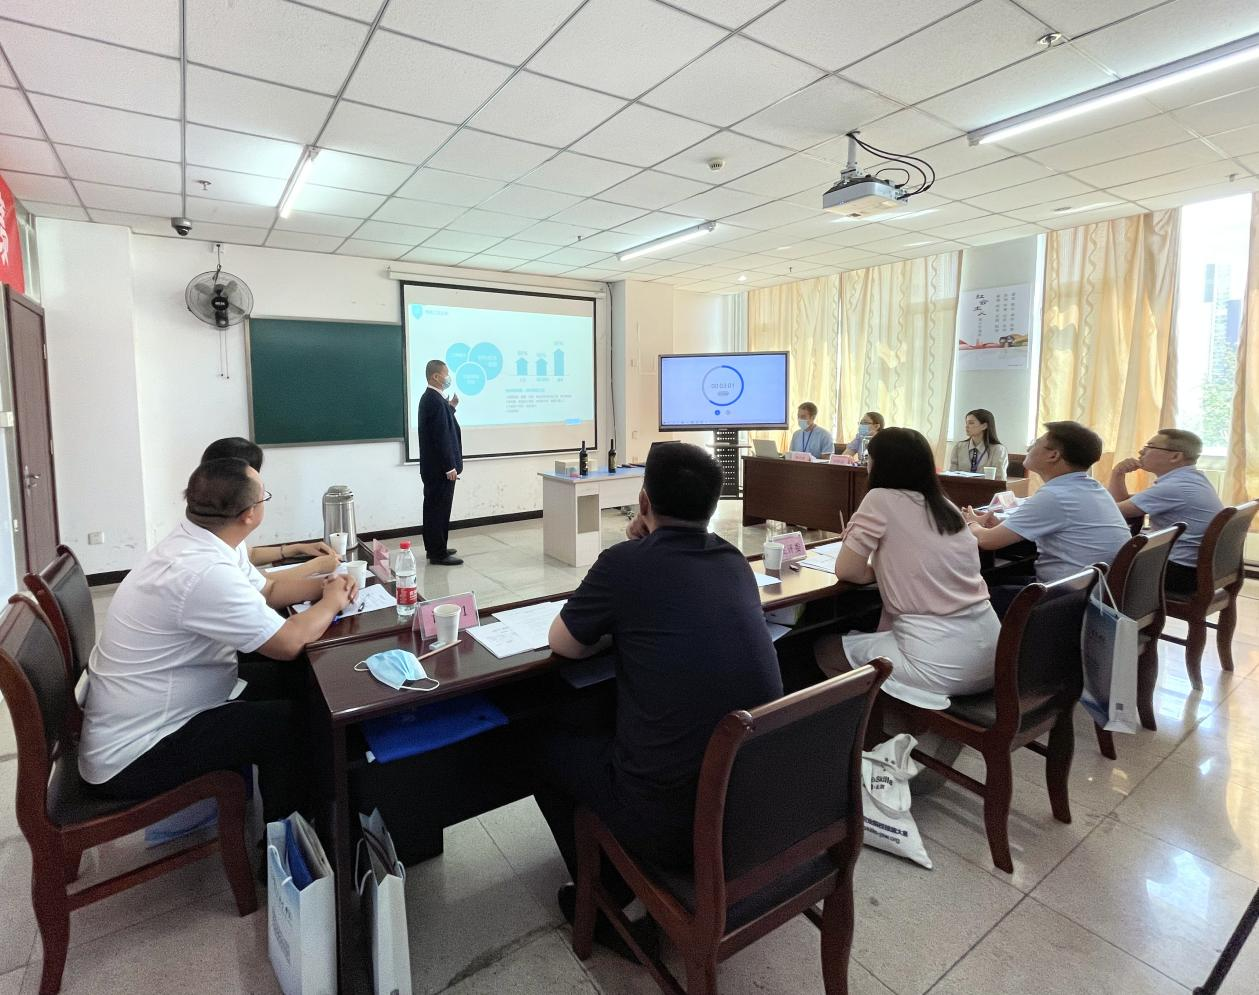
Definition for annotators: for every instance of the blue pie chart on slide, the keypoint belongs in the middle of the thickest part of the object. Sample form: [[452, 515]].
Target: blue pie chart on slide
[[723, 385], [470, 379], [457, 355], [488, 356]]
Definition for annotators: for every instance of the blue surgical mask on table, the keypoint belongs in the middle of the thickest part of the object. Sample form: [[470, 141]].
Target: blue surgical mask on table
[[395, 668], [803, 423]]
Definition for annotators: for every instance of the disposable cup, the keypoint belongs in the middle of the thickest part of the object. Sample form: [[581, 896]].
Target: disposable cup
[[990, 472], [337, 541], [447, 619], [773, 556], [357, 569]]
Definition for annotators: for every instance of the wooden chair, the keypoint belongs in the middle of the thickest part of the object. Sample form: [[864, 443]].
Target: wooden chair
[[778, 828], [1015, 470], [61, 816], [1220, 578], [1038, 680], [62, 591]]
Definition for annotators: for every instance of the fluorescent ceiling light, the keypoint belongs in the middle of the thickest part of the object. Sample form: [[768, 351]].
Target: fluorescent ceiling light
[[665, 241], [1085, 207], [299, 180], [1138, 85]]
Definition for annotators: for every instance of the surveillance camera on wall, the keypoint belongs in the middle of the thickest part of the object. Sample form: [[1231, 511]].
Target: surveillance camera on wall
[[182, 225]]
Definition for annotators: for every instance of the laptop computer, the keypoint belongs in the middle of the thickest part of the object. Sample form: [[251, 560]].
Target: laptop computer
[[765, 447]]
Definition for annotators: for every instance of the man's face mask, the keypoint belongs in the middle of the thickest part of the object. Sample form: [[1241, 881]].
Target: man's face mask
[[395, 668]]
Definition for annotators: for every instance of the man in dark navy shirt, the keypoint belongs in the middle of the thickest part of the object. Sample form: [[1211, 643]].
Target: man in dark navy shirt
[[691, 644]]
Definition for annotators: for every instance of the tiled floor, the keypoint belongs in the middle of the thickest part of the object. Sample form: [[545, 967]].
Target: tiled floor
[[1136, 896]]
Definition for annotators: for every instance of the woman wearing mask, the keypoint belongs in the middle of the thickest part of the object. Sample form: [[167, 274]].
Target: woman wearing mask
[[981, 448], [870, 425]]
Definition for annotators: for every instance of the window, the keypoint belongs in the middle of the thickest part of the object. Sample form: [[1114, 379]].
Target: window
[[1214, 245]]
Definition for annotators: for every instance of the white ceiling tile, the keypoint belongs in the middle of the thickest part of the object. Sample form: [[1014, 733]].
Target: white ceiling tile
[[921, 216], [1184, 179], [728, 13], [152, 26], [417, 212], [30, 155], [578, 174], [555, 233], [358, 172], [1170, 31], [738, 154], [1075, 17], [986, 179], [504, 31], [16, 117], [607, 241], [902, 132], [319, 224], [719, 202], [1139, 136], [6, 77], [1004, 235], [444, 257], [479, 154], [1218, 83], [228, 233], [788, 176], [448, 188], [654, 225], [65, 66], [529, 202], [1194, 195], [65, 211], [946, 54], [959, 156], [1240, 141], [443, 84], [642, 136], [1036, 192], [597, 214], [1062, 211], [101, 127], [460, 241], [772, 215], [241, 153], [141, 224], [515, 249], [241, 188], [709, 256], [123, 170], [667, 267], [837, 256], [490, 223], [331, 200], [1089, 217], [546, 269], [33, 186], [832, 35], [369, 249], [125, 199], [490, 261], [575, 256], [596, 273], [651, 190], [1221, 114], [731, 82], [1142, 166], [527, 107], [317, 52], [384, 134], [395, 234], [1042, 79], [624, 46], [360, 10], [299, 240], [226, 213], [828, 108], [225, 101]]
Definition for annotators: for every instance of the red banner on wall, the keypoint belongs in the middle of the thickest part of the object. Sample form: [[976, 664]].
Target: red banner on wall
[[10, 244]]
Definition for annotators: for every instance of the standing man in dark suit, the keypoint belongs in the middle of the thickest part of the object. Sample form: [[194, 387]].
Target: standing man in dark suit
[[441, 462]]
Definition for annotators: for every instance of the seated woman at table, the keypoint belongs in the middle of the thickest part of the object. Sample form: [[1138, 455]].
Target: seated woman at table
[[870, 425], [981, 448], [810, 437], [938, 629]]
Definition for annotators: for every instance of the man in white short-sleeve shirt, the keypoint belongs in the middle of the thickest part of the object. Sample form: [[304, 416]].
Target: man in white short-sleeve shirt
[[163, 675], [1180, 493]]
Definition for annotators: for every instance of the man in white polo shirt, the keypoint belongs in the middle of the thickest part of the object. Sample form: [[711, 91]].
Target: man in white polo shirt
[[1072, 518], [1180, 493], [162, 704]]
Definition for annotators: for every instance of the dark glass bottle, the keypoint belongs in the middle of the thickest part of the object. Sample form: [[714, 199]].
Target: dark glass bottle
[[583, 460], [612, 456]]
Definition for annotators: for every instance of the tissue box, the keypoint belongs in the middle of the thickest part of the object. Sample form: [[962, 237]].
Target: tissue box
[[565, 467]]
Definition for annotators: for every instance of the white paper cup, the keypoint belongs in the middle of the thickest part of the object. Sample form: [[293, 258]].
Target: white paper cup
[[990, 472], [337, 541], [447, 619], [357, 569], [773, 556]]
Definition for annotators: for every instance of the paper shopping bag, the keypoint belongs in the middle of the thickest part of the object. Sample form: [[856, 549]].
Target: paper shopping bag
[[381, 879], [301, 923], [1108, 646]]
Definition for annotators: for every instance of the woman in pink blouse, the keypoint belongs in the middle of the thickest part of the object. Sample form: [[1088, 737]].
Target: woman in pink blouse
[[938, 628]]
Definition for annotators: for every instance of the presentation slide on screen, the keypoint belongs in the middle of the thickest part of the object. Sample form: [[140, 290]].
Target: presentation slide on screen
[[523, 366], [729, 391]]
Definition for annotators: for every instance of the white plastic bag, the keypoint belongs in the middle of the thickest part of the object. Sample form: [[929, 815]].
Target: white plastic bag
[[380, 884], [885, 775], [1108, 645]]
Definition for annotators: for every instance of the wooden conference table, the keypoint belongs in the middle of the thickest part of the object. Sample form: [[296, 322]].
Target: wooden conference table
[[347, 697]]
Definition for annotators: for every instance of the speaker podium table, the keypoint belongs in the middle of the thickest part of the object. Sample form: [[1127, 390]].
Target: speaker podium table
[[571, 529]]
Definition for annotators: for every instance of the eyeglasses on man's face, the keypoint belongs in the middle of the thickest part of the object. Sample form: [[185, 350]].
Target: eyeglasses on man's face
[[1161, 449], [266, 496]]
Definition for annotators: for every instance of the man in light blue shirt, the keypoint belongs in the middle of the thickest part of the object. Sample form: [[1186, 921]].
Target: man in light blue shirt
[[810, 437], [1180, 493], [1072, 519]]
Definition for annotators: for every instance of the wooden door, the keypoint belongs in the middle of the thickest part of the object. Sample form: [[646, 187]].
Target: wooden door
[[36, 482]]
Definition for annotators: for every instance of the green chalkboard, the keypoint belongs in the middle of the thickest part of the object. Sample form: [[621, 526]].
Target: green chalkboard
[[324, 381]]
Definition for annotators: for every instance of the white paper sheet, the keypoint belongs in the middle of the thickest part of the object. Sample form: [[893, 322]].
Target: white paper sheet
[[823, 557], [766, 580], [532, 624], [776, 631], [499, 638], [370, 599]]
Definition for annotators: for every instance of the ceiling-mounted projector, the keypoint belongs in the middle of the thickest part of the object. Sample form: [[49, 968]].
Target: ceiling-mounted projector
[[860, 195]]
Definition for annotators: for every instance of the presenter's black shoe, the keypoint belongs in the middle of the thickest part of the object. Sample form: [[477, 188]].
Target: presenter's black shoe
[[446, 561], [451, 552]]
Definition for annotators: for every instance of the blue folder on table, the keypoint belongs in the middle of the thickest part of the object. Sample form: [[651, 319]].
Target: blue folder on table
[[430, 727]]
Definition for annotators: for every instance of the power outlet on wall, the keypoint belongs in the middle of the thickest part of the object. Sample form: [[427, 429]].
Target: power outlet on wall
[[96, 538]]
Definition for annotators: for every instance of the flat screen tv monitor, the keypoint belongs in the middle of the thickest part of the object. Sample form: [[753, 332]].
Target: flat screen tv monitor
[[723, 390]]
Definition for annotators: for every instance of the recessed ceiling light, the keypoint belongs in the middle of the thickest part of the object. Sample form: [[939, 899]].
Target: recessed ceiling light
[[1085, 207], [782, 247], [742, 278], [1051, 40]]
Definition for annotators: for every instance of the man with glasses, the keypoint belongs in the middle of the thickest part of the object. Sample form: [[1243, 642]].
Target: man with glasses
[[1180, 493], [163, 698]]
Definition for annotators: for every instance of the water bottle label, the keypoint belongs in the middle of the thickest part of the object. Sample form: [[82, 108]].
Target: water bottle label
[[406, 595]]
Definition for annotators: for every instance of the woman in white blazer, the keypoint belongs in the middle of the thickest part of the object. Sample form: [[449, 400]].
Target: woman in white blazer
[[981, 448]]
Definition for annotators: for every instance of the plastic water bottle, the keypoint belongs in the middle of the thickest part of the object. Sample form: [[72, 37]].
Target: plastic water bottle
[[404, 582]]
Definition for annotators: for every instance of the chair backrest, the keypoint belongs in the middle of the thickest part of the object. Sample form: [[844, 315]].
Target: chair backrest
[[781, 785], [33, 683], [1015, 468], [62, 591], [1038, 656], [1137, 573], [1223, 544]]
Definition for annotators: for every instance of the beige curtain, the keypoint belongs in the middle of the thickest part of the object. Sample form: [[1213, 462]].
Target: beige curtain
[[898, 339], [801, 318], [1241, 474], [1108, 355]]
